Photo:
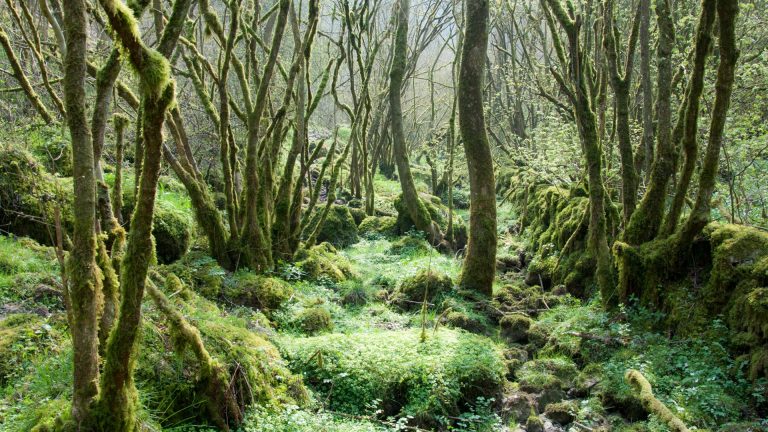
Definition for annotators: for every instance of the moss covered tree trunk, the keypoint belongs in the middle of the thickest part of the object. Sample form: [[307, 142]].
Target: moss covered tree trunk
[[480, 260], [727, 11], [417, 211], [645, 222], [84, 293], [255, 245], [116, 410]]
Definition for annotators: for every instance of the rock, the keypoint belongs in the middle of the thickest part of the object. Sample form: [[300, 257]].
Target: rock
[[534, 424], [507, 263], [562, 412], [549, 395], [514, 327], [514, 357], [518, 406]]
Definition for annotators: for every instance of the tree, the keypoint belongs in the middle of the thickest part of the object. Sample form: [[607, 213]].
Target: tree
[[416, 209], [480, 260]]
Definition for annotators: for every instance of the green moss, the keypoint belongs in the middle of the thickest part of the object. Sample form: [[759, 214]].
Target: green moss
[[339, 228], [173, 224], [315, 320], [262, 292], [432, 204], [173, 384], [200, 272], [395, 372], [462, 320], [562, 412], [358, 214], [323, 261], [410, 245], [19, 333], [29, 195], [378, 225], [426, 285], [514, 327], [547, 372]]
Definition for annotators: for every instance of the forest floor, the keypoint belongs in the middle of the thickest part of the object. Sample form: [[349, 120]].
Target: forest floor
[[533, 358]]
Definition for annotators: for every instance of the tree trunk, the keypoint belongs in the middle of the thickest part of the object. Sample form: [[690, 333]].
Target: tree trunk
[[85, 288], [416, 209], [480, 260]]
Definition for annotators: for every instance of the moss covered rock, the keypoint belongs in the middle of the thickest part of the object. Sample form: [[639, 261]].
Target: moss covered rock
[[257, 291], [323, 261], [378, 225], [173, 232], [409, 245], [315, 320], [540, 374], [29, 195], [562, 412], [339, 228], [514, 327], [425, 285]]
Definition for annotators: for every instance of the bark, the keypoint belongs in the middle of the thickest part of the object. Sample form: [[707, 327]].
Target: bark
[[479, 266], [727, 11], [691, 114], [21, 77], [646, 221], [254, 241], [84, 292], [416, 208]]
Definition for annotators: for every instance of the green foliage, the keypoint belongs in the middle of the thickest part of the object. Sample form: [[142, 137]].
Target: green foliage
[[295, 419], [171, 383], [29, 276], [23, 337], [200, 272], [52, 149], [394, 372], [411, 244]]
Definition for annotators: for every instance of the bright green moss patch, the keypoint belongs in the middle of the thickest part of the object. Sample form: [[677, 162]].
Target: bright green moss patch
[[391, 370]]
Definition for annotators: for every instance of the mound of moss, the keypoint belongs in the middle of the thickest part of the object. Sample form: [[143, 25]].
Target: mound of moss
[[395, 372], [315, 320], [339, 227], [409, 245], [257, 291], [426, 285], [323, 261], [381, 225], [437, 211], [169, 372], [29, 196]]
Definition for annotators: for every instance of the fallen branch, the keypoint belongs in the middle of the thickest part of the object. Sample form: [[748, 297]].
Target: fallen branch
[[651, 403]]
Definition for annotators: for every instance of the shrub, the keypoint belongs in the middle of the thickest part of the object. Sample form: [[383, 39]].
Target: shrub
[[425, 285], [263, 292], [395, 372], [315, 320]]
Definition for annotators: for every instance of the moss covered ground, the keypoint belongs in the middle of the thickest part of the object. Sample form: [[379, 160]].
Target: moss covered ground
[[375, 336]]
